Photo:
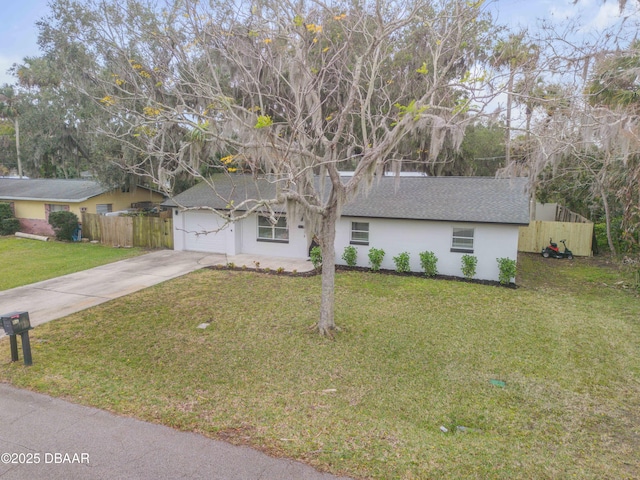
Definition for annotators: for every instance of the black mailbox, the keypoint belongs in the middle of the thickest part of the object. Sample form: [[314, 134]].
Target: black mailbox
[[16, 322]]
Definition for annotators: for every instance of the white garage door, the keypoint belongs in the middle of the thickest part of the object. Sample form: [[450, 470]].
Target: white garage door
[[195, 224]]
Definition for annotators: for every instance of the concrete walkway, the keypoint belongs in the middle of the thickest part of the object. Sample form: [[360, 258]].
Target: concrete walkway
[[67, 441]]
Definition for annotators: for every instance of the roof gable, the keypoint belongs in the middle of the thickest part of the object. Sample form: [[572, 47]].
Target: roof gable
[[459, 199]]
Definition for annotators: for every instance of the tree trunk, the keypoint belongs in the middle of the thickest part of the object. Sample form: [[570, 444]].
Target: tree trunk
[[507, 138], [533, 203], [326, 239], [607, 217], [17, 127]]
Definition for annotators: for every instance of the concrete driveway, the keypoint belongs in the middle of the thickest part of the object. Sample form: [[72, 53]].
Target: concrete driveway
[[45, 437], [62, 296]]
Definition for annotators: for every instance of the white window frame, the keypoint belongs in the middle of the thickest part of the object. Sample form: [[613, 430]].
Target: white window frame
[[268, 232], [357, 230], [461, 241], [54, 207], [102, 208]]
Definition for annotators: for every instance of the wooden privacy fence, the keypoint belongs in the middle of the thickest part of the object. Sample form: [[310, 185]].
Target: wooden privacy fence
[[536, 236], [148, 232]]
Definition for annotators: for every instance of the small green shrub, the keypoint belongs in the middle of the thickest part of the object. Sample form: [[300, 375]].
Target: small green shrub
[[376, 255], [8, 223], [64, 224], [600, 232], [9, 226], [625, 242], [316, 257], [469, 264], [5, 211], [402, 262], [507, 268], [350, 255], [428, 262]]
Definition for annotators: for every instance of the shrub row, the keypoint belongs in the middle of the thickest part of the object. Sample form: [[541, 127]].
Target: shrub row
[[428, 262]]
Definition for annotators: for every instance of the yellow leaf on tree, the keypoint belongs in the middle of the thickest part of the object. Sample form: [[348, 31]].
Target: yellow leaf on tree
[[108, 101], [151, 112], [423, 69], [264, 121]]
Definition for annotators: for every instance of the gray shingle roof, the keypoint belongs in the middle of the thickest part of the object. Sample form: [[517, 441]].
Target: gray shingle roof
[[460, 199], [58, 190]]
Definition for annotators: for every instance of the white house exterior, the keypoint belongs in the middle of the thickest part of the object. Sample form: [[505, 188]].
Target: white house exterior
[[450, 216]]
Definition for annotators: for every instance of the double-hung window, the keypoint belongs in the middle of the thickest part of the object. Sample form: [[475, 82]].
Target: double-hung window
[[103, 208], [54, 207], [462, 240], [359, 233], [273, 232]]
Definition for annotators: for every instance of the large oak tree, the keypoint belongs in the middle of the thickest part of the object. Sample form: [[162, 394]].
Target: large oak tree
[[288, 91]]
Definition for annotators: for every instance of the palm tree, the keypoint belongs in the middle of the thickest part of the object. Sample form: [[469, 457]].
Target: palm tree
[[514, 54]]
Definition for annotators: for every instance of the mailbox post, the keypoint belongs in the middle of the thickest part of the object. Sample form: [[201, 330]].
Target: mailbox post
[[17, 323]]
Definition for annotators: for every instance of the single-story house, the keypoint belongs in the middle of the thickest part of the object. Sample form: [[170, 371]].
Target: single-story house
[[34, 199], [450, 216]]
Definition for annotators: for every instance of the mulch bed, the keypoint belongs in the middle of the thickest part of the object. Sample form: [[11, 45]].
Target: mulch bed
[[344, 268]]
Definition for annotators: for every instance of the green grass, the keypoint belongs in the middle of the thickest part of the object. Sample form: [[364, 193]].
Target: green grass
[[24, 261], [413, 355]]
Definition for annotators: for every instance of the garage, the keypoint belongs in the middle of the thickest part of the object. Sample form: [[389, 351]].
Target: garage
[[196, 224]]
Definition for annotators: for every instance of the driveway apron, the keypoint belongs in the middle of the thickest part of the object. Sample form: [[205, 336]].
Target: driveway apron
[[62, 296]]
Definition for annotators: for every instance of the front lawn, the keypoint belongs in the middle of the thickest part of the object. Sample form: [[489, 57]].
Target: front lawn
[[24, 261], [427, 379]]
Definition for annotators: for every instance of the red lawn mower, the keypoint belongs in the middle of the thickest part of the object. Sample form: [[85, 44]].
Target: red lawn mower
[[554, 252]]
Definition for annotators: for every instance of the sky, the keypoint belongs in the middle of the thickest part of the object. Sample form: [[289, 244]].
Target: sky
[[18, 32]]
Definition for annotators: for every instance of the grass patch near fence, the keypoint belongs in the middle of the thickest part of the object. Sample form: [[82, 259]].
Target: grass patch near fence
[[414, 355], [24, 261]]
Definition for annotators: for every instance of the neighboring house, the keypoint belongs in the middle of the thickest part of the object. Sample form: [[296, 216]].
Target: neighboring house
[[34, 199], [450, 216]]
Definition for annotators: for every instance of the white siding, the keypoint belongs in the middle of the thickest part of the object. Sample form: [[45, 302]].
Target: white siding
[[196, 231], [295, 248], [491, 241], [235, 238], [414, 236]]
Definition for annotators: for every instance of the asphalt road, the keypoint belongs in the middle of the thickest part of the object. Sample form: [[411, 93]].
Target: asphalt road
[[48, 438]]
